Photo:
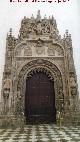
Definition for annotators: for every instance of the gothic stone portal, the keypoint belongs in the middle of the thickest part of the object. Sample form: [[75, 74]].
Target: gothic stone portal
[[40, 99], [40, 87], [39, 49]]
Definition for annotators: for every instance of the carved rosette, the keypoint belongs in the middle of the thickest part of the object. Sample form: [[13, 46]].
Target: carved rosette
[[40, 50]]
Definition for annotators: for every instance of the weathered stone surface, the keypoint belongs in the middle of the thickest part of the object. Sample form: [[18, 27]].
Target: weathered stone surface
[[39, 47]]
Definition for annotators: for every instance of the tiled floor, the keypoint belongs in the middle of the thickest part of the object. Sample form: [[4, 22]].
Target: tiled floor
[[40, 133]]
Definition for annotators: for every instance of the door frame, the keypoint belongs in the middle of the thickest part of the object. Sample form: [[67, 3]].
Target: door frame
[[45, 117], [47, 67]]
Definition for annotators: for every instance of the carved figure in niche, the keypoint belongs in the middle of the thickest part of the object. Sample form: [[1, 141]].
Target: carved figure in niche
[[73, 91], [29, 29], [7, 83], [23, 33], [27, 51], [43, 30], [6, 93], [46, 28], [39, 29], [34, 29], [72, 80], [73, 84], [54, 34]]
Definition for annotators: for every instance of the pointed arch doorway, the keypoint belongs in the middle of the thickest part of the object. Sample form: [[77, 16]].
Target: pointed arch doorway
[[40, 99]]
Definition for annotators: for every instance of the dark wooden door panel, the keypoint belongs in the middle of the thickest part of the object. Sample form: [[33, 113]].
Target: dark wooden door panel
[[40, 99]]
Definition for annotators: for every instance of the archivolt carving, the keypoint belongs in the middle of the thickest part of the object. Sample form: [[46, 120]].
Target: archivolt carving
[[40, 69], [51, 71]]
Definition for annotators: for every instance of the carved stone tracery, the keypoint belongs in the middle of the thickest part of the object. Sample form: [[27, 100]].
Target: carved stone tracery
[[55, 50], [43, 66]]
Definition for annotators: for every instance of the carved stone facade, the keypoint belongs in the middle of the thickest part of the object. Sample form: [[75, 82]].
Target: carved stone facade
[[39, 47]]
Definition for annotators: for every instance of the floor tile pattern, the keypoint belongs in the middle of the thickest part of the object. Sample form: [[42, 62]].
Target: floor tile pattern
[[41, 133]]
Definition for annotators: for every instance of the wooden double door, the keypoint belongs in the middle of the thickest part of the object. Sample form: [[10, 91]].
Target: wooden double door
[[40, 99]]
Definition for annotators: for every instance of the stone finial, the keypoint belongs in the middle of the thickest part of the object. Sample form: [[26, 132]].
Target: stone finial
[[32, 17], [23, 20], [66, 33], [49, 17], [10, 32], [45, 17], [52, 18], [53, 21], [70, 36], [38, 16], [70, 40], [24, 17], [64, 36]]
